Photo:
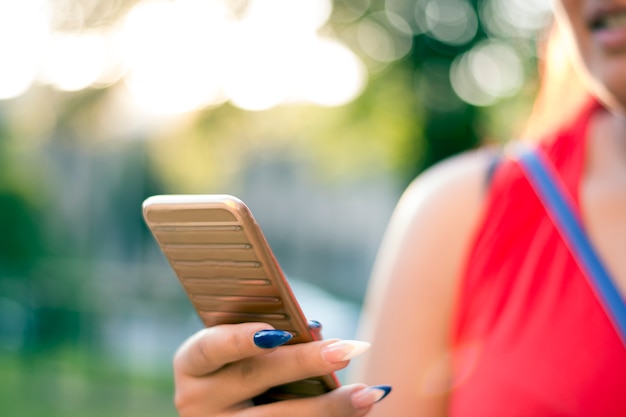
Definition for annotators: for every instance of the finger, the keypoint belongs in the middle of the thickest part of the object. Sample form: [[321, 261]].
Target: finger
[[210, 349], [256, 375], [347, 401]]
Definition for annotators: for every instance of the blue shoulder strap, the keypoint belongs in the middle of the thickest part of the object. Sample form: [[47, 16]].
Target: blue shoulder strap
[[552, 193]]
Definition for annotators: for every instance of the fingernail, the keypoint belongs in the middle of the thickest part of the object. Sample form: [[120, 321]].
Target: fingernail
[[267, 339], [344, 350], [314, 324], [370, 396], [315, 327]]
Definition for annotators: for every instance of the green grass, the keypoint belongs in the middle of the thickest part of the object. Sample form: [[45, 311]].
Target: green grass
[[78, 384]]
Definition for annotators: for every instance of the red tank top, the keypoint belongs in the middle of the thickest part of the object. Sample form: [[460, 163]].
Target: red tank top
[[531, 338]]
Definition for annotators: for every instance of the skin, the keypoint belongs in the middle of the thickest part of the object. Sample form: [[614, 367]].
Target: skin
[[428, 233], [600, 64], [603, 67], [218, 370], [426, 220], [417, 272]]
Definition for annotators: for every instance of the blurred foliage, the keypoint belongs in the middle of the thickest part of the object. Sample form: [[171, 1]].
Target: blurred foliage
[[368, 137], [73, 176], [69, 384]]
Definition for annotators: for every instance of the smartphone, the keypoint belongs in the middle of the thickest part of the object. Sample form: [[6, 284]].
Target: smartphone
[[225, 265]]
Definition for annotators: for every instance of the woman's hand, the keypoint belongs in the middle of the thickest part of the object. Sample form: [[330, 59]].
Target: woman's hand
[[220, 369]]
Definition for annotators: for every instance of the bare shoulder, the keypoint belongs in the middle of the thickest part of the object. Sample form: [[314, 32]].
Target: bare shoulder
[[444, 203], [431, 229], [414, 283], [454, 186]]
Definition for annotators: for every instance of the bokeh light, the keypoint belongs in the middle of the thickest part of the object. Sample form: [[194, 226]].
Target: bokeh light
[[175, 54], [114, 66], [28, 22], [74, 61], [453, 22], [335, 76], [294, 16], [506, 18], [105, 102], [407, 10], [384, 36], [489, 71], [261, 68], [185, 55]]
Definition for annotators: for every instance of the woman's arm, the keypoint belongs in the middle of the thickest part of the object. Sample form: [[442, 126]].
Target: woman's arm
[[409, 305]]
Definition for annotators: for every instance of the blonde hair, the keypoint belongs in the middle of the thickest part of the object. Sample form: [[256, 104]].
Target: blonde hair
[[561, 92]]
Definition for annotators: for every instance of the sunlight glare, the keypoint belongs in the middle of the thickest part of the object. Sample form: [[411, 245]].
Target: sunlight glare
[[334, 76], [74, 60], [24, 31], [115, 66], [260, 70], [301, 15], [269, 68], [176, 54]]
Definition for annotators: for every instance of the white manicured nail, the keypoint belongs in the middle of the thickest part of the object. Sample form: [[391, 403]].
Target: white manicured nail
[[343, 350]]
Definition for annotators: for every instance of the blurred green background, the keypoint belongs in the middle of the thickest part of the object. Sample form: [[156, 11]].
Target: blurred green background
[[317, 113]]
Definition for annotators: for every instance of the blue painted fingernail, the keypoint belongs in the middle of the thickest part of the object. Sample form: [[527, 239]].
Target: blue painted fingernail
[[315, 328], [386, 389], [370, 396], [267, 339], [315, 325]]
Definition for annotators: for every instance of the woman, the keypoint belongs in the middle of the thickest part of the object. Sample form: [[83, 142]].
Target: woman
[[476, 306]]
